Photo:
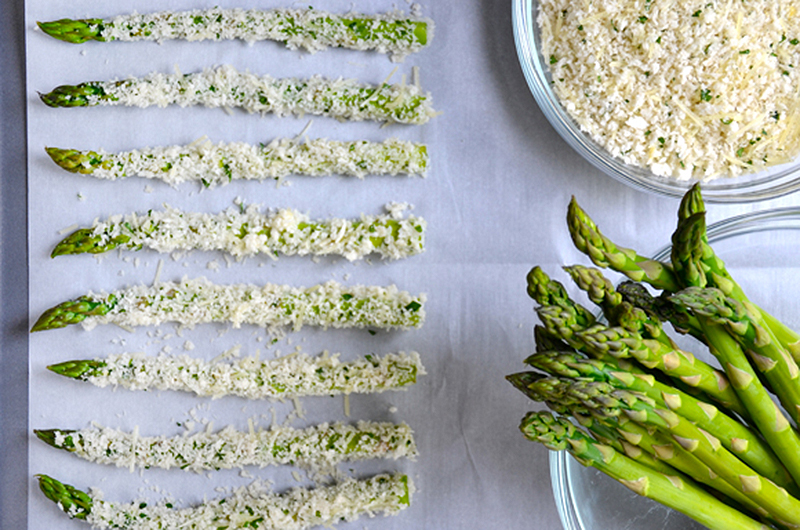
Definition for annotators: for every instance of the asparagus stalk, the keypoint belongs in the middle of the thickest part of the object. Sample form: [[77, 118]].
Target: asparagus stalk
[[562, 323], [295, 509], [677, 492], [198, 301], [606, 254], [318, 448], [692, 212], [607, 435], [217, 165], [622, 343], [771, 422], [226, 87], [287, 377], [394, 32], [665, 450], [769, 358], [762, 490], [735, 437], [244, 232], [638, 296], [767, 417], [548, 292], [546, 341], [599, 288]]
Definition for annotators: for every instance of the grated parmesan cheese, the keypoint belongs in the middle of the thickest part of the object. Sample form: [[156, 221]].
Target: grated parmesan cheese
[[690, 90], [246, 232], [272, 306], [319, 448], [214, 165], [248, 377], [256, 507], [344, 99], [393, 32]]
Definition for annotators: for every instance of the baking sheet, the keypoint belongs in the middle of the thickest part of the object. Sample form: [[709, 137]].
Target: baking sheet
[[494, 200]]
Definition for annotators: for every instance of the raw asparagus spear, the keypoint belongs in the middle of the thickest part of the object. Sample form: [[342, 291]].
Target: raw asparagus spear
[[320, 447], [622, 343], [394, 32], [771, 422], [599, 288], [226, 87], [217, 165], [670, 453], [743, 442], [607, 435], [546, 341], [769, 358], [602, 342], [762, 490], [605, 253], [296, 509], [198, 301], [692, 212], [244, 232], [289, 376], [638, 296], [677, 492], [605, 432], [548, 292]]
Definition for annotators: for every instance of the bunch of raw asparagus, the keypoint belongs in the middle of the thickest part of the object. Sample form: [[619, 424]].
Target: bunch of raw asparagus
[[709, 442]]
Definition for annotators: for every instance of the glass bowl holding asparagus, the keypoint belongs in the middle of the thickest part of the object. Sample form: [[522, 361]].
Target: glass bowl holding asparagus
[[637, 402]]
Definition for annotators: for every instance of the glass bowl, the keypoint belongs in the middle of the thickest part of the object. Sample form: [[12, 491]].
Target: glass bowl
[[762, 251], [767, 184]]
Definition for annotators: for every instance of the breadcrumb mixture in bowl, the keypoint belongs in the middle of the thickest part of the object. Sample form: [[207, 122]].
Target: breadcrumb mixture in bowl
[[664, 93]]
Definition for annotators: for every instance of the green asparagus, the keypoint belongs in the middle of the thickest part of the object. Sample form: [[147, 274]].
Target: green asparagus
[[750, 457], [599, 288], [605, 253], [245, 231], [769, 358], [762, 490], [310, 29], [676, 491], [670, 454], [621, 343], [740, 440], [296, 509], [290, 376], [226, 87], [319, 448], [548, 292], [692, 211], [217, 165], [197, 301]]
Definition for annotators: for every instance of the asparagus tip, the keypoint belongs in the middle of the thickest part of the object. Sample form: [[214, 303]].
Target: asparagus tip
[[74, 502], [77, 369]]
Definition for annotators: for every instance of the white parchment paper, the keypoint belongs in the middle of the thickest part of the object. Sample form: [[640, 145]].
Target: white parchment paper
[[494, 200]]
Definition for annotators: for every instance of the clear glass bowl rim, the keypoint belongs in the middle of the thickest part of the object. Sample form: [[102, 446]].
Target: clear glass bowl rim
[[749, 223], [757, 187]]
